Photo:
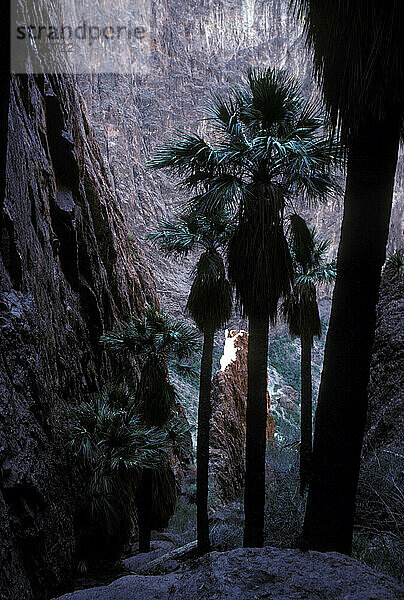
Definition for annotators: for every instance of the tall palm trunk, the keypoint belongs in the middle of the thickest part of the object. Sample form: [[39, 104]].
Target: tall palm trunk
[[306, 412], [254, 493], [342, 404], [144, 504], [202, 451]]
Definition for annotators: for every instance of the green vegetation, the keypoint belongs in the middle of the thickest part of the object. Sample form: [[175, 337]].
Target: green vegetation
[[394, 266], [111, 447], [283, 355], [153, 339], [284, 506], [379, 528]]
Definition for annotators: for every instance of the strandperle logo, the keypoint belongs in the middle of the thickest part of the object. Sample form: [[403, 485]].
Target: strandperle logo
[[83, 32], [52, 36]]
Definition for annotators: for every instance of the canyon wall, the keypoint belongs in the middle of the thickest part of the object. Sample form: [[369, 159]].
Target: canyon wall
[[67, 273], [385, 427], [192, 50]]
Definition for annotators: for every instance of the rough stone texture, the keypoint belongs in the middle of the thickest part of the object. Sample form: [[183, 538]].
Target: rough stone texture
[[385, 428], [193, 49], [249, 574], [66, 275], [228, 421]]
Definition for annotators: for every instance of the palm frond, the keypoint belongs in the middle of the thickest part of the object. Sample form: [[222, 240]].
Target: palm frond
[[273, 99], [174, 238], [164, 497], [188, 154], [394, 267], [260, 264], [221, 194], [156, 395], [300, 310], [301, 242]]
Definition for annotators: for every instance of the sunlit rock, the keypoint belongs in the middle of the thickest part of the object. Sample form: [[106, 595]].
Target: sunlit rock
[[228, 422]]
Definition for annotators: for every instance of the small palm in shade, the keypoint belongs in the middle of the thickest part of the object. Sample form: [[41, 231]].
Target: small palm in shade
[[300, 310], [112, 447], [153, 339]]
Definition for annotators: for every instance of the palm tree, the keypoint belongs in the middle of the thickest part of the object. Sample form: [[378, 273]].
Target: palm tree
[[152, 339], [300, 310], [359, 60], [266, 145], [111, 447], [210, 305]]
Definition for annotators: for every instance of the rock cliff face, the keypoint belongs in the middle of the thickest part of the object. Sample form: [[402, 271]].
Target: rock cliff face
[[228, 421], [193, 49], [66, 275]]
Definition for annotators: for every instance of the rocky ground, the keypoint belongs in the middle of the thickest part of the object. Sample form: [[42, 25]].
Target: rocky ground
[[249, 574]]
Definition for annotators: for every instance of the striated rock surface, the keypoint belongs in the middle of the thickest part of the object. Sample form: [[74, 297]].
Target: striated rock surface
[[385, 428], [228, 421], [192, 50], [248, 574], [66, 275]]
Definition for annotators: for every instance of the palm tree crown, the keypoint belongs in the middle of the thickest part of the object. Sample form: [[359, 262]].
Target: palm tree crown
[[358, 57], [309, 255], [266, 145], [211, 297]]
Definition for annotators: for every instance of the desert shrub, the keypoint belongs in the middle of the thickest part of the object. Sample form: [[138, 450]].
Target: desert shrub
[[226, 535], [394, 266], [284, 357], [379, 527], [284, 508], [183, 522]]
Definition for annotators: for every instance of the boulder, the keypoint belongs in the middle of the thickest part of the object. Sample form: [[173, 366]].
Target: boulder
[[249, 574]]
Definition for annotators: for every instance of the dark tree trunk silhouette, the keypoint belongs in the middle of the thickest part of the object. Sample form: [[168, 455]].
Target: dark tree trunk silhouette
[[202, 452], [4, 97], [254, 493], [306, 412], [144, 505], [342, 404]]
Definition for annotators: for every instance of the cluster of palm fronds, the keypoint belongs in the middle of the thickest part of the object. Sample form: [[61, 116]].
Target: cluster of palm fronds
[[111, 447], [155, 334], [311, 269], [266, 147], [122, 432]]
